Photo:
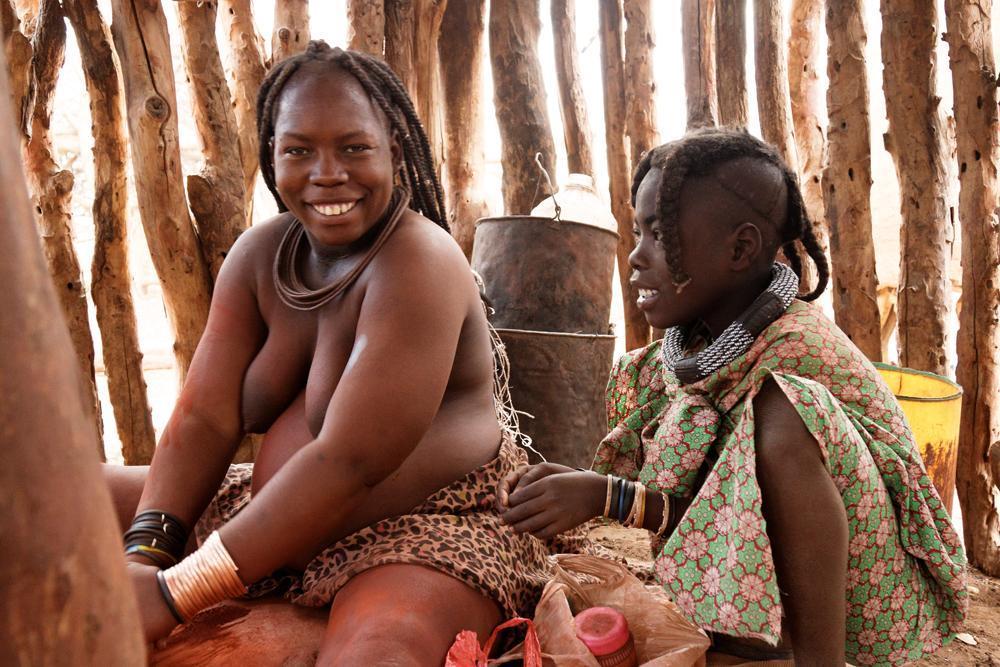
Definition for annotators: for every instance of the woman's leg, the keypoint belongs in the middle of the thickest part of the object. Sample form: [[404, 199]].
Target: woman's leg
[[402, 615], [125, 484]]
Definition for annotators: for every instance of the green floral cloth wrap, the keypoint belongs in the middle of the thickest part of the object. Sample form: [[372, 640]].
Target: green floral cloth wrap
[[905, 580]]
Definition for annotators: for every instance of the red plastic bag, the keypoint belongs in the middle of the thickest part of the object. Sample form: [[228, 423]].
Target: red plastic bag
[[465, 652]]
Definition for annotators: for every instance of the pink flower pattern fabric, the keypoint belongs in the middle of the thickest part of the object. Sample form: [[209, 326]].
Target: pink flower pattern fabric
[[906, 569]]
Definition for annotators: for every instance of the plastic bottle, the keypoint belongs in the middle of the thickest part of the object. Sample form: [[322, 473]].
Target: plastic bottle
[[578, 202], [604, 631]]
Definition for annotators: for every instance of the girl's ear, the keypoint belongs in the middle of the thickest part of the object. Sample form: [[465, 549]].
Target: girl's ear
[[747, 244]]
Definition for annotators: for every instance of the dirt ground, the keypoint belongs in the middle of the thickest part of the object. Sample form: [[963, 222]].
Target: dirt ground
[[981, 627]]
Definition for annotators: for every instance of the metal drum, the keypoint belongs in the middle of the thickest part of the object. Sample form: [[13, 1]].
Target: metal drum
[[560, 379], [546, 275]]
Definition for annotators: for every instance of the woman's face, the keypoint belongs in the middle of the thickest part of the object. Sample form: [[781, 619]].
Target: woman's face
[[334, 157], [708, 249]]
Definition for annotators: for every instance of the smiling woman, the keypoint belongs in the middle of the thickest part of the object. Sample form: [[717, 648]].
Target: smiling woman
[[349, 330]]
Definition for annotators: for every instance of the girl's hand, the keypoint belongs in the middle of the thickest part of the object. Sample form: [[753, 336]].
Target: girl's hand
[[548, 499], [157, 621]]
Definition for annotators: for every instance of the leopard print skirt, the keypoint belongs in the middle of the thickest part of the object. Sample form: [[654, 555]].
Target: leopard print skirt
[[456, 531]]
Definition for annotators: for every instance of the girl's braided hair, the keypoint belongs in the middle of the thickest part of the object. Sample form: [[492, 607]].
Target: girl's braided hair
[[698, 154], [387, 91]]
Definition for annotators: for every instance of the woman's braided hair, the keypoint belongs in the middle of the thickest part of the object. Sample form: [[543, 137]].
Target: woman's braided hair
[[697, 154], [387, 91]]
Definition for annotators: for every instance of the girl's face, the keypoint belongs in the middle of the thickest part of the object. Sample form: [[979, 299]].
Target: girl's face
[[714, 255], [334, 157]]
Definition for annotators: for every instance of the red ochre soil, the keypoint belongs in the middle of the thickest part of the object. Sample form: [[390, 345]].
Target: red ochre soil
[[272, 632]]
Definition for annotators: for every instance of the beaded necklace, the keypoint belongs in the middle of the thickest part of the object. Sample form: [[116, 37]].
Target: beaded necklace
[[737, 337], [293, 291]]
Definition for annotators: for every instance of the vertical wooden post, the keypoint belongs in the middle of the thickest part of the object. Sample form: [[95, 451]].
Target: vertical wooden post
[[916, 141], [110, 277], [17, 48], [573, 106], [613, 64], [808, 108], [847, 179], [773, 104], [246, 71], [66, 596], [400, 29], [698, 38], [640, 86], [217, 195], [291, 29], [461, 58], [51, 194], [428, 15], [519, 98], [142, 42], [973, 70], [730, 62], [366, 26]]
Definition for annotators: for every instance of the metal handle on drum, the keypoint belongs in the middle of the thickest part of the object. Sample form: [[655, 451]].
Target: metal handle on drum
[[552, 189]]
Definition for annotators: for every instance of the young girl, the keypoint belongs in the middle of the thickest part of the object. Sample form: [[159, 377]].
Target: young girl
[[761, 448], [350, 331]]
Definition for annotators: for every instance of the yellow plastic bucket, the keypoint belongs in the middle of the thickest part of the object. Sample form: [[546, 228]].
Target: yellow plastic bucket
[[933, 407]]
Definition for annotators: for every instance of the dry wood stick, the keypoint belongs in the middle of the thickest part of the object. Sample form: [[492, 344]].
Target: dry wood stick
[[573, 106]]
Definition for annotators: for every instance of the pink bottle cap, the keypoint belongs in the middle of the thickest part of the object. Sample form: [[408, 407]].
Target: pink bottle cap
[[602, 629]]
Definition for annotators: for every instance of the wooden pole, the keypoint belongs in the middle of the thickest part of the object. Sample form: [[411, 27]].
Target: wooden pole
[[66, 596], [110, 276], [640, 86], [973, 70], [730, 62], [142, 43], [217, 195], [246, 71], [291, 29], [400, 21], [847, 179], [773, 104], [461, 58], [573, 106], [428, 15], [17, 48], [697, 36], [916, 140], [51, 194], [519, 99], [613, 64], [366, 26], [809, 108]]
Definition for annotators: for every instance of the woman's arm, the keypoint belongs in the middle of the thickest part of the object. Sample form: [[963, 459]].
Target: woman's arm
[[388, 395]]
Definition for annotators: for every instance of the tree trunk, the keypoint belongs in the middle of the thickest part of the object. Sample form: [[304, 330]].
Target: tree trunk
[[399, 38], [110, 276], [291, 29], [697, 33], [519, 98], [773, 104], [17, 48], [730, 62], [847, 179], [576, 126], [246, 71], [51, 194], [916, 141], [613, 64], [970, 49], [809, 108], [217, 194], [461, 58], [366, 26], [640, 86], [66, 596], [428, 15], [142, 42]]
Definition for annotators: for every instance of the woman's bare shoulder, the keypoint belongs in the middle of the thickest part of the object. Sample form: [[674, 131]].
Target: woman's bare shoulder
[[254, 250], [421, 249]]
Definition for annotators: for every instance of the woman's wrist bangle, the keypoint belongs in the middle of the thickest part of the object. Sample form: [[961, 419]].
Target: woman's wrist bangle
[[607, 499], [168, 598], [206, 577], [668, 510]]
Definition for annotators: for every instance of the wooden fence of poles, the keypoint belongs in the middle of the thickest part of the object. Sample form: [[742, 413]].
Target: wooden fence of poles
[[437, 47]]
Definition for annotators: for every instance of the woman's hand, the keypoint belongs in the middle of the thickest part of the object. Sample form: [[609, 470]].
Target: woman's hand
[[548, 499], [157, 621]]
